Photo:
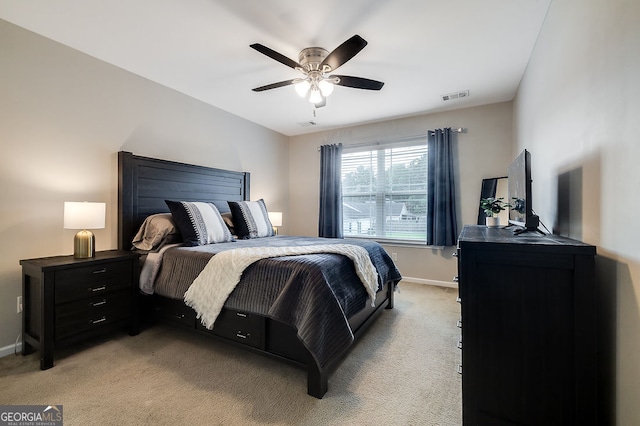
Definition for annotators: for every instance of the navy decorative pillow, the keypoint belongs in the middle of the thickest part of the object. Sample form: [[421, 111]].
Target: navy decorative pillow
[[251, 219], [199, 223]]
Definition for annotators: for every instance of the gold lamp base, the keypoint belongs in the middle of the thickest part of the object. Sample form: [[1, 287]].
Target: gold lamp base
[[84, 245]]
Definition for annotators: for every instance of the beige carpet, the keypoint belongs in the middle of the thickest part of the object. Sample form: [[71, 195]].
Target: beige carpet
[[403, 372]]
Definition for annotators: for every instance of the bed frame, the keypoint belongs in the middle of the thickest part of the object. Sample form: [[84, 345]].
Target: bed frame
[[143, 185]]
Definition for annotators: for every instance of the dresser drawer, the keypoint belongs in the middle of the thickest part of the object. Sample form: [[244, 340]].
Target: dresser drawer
[[87, 281], [78, 316], [238, 326]]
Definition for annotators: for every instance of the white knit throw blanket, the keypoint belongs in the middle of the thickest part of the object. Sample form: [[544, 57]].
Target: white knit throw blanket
[[212, 287]]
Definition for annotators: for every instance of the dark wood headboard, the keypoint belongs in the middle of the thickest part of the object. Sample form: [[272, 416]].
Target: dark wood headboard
[[144, 183]]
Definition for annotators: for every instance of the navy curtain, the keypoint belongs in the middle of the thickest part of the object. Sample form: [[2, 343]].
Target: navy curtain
[[442, 227], [330, 217]]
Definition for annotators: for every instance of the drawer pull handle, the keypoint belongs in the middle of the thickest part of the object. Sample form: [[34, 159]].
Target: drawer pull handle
[[455, 279], [102, 302], [180, 316], [100, 271], [459, 323], [95, 289], [242, 336], [240, 314], [98, 321], [459, 368]]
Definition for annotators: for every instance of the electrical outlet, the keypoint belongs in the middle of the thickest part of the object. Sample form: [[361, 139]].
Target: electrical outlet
[[394, 257], [19, 304]]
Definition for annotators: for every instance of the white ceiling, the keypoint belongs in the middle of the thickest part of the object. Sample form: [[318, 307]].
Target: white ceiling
[[421, 49]]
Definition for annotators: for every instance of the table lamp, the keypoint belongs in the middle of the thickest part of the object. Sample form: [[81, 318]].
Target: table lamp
[[276, 220], [84, 216]]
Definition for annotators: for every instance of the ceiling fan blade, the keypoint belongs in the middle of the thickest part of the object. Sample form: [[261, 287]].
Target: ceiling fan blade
[[344, 52], [275, 55], [273, 85], [358, 82]]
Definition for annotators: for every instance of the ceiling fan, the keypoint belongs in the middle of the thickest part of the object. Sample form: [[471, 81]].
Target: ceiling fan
[[316, 64]]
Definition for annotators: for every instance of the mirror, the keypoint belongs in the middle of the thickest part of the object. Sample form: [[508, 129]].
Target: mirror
[[494, 187]]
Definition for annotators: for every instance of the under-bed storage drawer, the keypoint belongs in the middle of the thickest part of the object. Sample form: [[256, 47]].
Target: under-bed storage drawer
[[239, 327], [174, 311]]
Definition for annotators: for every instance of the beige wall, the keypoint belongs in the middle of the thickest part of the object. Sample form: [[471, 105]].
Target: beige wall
[[578, 111], [483, 151], [65, 115]]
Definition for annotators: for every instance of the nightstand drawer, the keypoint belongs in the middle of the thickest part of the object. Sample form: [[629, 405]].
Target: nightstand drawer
[[75, 317], [86, 281]]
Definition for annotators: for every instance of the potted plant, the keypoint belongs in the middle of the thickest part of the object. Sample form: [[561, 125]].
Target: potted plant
[[492, 206]]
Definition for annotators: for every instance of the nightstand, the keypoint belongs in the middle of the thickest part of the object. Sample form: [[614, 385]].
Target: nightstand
[[67, 300]]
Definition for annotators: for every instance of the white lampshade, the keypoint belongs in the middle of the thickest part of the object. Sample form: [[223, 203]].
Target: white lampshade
[[84, 215], [275, 218]]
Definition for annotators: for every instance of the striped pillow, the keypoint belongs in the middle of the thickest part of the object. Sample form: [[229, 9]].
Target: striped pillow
[[250, 219], [199, 223]]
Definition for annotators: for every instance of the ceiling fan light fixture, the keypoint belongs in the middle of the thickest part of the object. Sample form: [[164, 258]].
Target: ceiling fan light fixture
[[315, 96], [326, 87], [315, 63], [302, 88]]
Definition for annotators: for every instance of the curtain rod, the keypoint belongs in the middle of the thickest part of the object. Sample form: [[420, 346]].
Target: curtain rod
[[402, 139], [457, 130]]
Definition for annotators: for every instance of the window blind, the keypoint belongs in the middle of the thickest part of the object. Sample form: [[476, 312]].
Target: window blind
[[384, 190]]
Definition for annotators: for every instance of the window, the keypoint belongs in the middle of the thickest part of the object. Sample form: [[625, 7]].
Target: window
[[384, 191]]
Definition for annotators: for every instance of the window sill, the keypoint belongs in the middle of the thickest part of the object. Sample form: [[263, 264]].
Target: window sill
[[398, 243]]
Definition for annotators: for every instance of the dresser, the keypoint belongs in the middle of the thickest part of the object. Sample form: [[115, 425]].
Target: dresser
[[67, 300], [528, 321]]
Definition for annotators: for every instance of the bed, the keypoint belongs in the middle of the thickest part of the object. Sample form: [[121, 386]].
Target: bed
[[307, 309]]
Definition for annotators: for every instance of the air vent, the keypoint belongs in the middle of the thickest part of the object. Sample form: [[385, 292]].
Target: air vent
[[307, 123], [455, 95]]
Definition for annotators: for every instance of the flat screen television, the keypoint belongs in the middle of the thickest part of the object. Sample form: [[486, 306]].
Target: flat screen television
[[521, 211]]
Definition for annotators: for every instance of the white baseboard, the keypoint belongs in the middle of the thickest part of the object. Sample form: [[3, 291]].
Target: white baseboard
[[10, 350], [424, 281]]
